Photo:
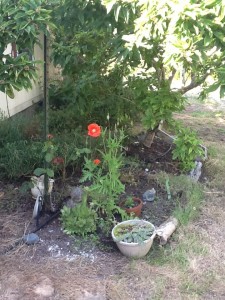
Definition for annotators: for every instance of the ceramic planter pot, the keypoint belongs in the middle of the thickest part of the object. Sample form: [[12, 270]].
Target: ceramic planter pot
[[133, 210], [38, 188], [135, 250]]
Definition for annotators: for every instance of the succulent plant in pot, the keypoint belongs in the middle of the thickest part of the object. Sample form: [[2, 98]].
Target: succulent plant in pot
[[132, 205], [134, 238]]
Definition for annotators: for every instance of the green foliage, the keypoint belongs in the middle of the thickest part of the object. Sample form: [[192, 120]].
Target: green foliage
[[79, 220], [171, 37], [72, 154], [21, 23], [64, 119], [160, 105], [129, 202], [187, 148], [92, 99], [133, 233], [19, 158], [105, 177], [48, 153], [189, 211], [21, 149], [106, 209], [84, 46], [19, 127], [187, 194], [119, 58], [105, 181], [167, 184]]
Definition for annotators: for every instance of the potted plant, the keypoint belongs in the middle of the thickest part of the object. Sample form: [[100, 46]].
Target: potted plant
[[132, 205], [134, 238]]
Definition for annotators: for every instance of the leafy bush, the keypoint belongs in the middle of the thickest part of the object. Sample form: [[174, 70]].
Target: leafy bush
[[64, 119], [79, 220], [91, 99], [19, 158], [19, 127], [159, 106], [187, 148]]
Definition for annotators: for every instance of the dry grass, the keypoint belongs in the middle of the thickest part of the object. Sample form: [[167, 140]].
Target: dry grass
[[12, 228]]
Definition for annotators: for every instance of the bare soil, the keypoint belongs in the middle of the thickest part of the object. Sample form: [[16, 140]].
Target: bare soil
[[61, 267]]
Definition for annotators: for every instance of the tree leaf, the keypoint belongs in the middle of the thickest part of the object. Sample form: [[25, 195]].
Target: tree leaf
[[39, 171], [50, 172], [48, 157]]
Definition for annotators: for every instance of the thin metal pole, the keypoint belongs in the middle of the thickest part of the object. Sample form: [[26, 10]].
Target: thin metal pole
[[46, 107]]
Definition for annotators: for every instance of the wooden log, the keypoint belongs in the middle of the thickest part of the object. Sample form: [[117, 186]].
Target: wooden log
[[166, 229]]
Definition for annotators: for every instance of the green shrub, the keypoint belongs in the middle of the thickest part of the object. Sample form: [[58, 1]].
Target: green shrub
[[159, 106], [187, 148], [65, 119], [79, 220], [19, 158], [19, 128], [91, 98]]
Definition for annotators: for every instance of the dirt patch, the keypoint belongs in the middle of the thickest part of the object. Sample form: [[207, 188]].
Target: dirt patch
[[58, 279]]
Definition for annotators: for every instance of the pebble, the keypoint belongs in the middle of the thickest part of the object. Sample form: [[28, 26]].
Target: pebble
[[31, 238]]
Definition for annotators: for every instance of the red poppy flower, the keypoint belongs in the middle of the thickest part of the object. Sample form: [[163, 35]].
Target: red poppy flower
[[49, 136], [58, 160], [94, 130], [96, 161]]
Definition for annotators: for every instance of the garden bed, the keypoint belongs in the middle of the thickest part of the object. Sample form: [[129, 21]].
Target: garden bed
[[140, 173]]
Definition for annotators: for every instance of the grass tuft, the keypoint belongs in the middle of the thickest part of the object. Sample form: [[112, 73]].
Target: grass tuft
[[187, 194]]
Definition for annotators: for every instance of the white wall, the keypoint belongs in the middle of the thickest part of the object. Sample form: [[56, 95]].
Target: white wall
[[24, 99]]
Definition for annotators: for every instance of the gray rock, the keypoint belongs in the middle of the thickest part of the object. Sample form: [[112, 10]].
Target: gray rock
[[31, 239], [75, 197], [76, 193], [149, 195], [197, 171]]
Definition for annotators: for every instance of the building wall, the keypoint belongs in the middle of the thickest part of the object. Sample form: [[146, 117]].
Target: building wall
[[24, 99]]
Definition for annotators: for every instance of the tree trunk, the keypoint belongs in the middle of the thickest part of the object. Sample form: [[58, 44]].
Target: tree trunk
[[149, 137]]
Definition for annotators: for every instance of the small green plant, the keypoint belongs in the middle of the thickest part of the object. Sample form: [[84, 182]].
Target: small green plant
[[48, 152], [187, 148], [167, 184], [80, 219], [133, 233], [129, 202], [104, 175], [106, 209]]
